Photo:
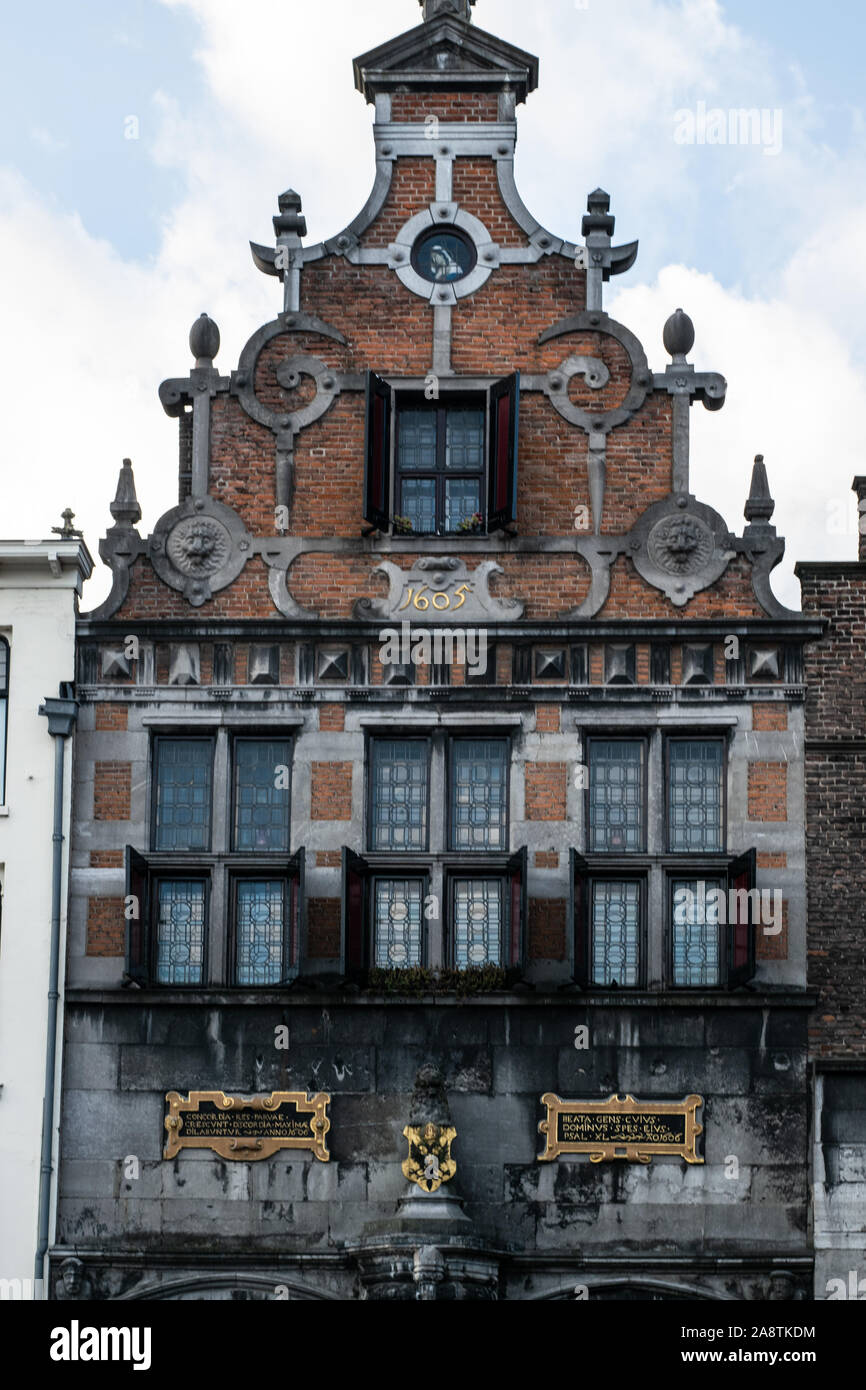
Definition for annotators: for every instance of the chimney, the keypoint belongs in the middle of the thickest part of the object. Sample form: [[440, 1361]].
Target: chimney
[[859, 486]]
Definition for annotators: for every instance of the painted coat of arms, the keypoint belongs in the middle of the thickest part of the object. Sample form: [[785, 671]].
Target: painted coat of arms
[[429, 1163]]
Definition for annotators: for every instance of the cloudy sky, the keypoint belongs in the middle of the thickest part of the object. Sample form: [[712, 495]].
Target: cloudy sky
[[143, 144]]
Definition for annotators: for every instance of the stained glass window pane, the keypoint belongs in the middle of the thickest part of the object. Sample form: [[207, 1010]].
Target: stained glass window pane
[[479, 788], [696, 931], [399, 795], [464, 440], [180, 932], [616, 792], [418, 503], [417, 440], [696, 796], [262, 794], [477, 923], [397, 922], [260, 923], [616, 934], [183, 793], [462, 501]]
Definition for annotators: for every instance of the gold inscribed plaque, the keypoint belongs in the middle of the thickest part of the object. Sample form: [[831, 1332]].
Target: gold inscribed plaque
[[237, 1128], [634, 1130]]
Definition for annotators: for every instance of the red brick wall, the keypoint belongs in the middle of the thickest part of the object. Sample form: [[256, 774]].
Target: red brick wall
[[323, 928], [547, 719], [106, 927], [770, 716], [109, 716], [331, 792], [112, 791], [773, 947], [768, 791], [547, 929], [546, 859], [332, 717], [415, 107], [835, 821], [545, 791]]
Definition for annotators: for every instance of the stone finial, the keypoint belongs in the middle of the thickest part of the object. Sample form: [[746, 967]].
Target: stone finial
[[204, 341], [602, 260], [125, 508], [290, 218], [438, 9], [598, 216], [679, 334], [760, 505], [67, 531]]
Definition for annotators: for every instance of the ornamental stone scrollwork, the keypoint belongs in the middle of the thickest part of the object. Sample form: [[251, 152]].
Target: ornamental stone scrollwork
[[681, 546], [199, 548], [439, 590]]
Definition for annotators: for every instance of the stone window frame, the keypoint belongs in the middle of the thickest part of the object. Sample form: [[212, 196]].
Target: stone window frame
[[405, 401], [657, 866], [406, 391], [438, 862], [220, 866]]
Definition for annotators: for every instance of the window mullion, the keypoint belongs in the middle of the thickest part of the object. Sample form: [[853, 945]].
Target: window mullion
[[219, 907]]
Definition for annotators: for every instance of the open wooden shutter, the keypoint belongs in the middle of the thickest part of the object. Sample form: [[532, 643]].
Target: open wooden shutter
[[297, 911], [515, 946], [502, 460], [353, 913], [741, 930], [579, 916], [377, 471], [136, 909]]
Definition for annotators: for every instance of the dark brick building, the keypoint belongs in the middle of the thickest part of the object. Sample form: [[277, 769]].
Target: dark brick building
[[836, 844], [317, 850]]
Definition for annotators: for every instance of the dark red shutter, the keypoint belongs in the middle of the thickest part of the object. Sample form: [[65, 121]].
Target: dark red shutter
[[515, 951], [502, 462], [137, 933], [579, 914], [353, 913], [377, 471], [297, 916], [741, 926]]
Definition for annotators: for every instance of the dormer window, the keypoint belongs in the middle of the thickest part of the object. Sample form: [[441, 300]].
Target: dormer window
[[446, 467]]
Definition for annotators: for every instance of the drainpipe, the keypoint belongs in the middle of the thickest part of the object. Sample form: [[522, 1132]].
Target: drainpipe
[[61, 715]]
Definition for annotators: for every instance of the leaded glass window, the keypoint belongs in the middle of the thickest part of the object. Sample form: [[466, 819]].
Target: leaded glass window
[[260, 931], [4, 705], [397, 917], [616, 922], [398, 810], [695, 796], [479, 794], [696, 949], [184, 773], [261, 793], [616, 795], [477, 922], [440, 467], [180, 932]]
